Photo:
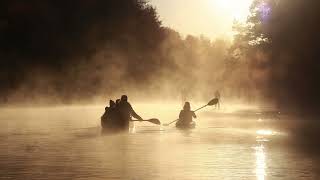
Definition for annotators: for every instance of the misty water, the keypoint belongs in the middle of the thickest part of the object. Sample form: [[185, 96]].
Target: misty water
[[67, 143]]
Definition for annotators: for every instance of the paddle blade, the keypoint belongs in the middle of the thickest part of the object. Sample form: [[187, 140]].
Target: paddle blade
[[155, 121], [167, 124], [213, 102]]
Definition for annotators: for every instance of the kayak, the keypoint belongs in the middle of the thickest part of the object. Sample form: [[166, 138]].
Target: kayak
[[191, 125]]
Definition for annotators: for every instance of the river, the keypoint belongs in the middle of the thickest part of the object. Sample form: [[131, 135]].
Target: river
[[67, 143]]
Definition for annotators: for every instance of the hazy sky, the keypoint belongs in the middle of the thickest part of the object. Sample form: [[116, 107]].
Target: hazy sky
[[211, 18]]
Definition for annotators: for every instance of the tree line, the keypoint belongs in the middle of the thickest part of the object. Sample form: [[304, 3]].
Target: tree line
[[81, 50]]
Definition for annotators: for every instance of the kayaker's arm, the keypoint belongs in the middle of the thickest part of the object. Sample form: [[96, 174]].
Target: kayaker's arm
[[135, 115], [194, 114]]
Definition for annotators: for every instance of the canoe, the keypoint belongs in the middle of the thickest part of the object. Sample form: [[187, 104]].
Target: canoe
[[109, 125], [192, 125]]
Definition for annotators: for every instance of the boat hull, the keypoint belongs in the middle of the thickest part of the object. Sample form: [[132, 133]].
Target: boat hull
[[191, 125], [108, 125]]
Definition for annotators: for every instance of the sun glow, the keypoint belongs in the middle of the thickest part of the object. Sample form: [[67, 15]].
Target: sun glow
[[211, 18], [238, 9]]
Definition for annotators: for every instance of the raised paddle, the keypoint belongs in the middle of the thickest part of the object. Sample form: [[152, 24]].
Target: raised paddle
[[153, 120], [210, 103]]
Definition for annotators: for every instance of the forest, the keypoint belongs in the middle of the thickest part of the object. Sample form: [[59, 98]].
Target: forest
[[55, 51]]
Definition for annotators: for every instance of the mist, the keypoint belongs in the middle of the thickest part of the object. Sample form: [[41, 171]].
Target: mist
[[280, 43], [62, 52], [58, 52], [75, 56]]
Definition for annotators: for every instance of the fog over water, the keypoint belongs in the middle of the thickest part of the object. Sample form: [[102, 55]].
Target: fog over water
[[231, 143], [60, 61]]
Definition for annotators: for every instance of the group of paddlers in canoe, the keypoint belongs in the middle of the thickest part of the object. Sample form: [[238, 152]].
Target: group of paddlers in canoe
[[119, 114]]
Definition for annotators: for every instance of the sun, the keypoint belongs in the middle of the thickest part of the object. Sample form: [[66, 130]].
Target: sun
[[237, 9]]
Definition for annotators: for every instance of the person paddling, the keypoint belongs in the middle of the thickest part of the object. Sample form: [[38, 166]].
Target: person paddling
[[126, 112], [186, 115], [117, 102], [108, 115]]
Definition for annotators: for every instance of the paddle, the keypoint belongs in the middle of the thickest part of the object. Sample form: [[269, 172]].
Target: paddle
[[153, 120], [210, 103]]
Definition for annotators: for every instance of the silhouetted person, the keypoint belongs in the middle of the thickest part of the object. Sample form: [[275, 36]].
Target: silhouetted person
[[218, 96], [186, 115], [126, 112], [117, 101], [109, 114]]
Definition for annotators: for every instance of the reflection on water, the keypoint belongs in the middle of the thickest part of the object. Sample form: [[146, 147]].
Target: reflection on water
[[132, 128], [260, 162], [265, 132], [66, 143], [260, 153]]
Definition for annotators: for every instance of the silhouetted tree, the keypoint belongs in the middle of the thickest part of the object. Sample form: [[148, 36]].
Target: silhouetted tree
[[81, 49], [280, 40], [55, 38]]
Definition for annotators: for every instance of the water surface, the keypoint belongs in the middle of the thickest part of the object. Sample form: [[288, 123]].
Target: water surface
[[67, 143]]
